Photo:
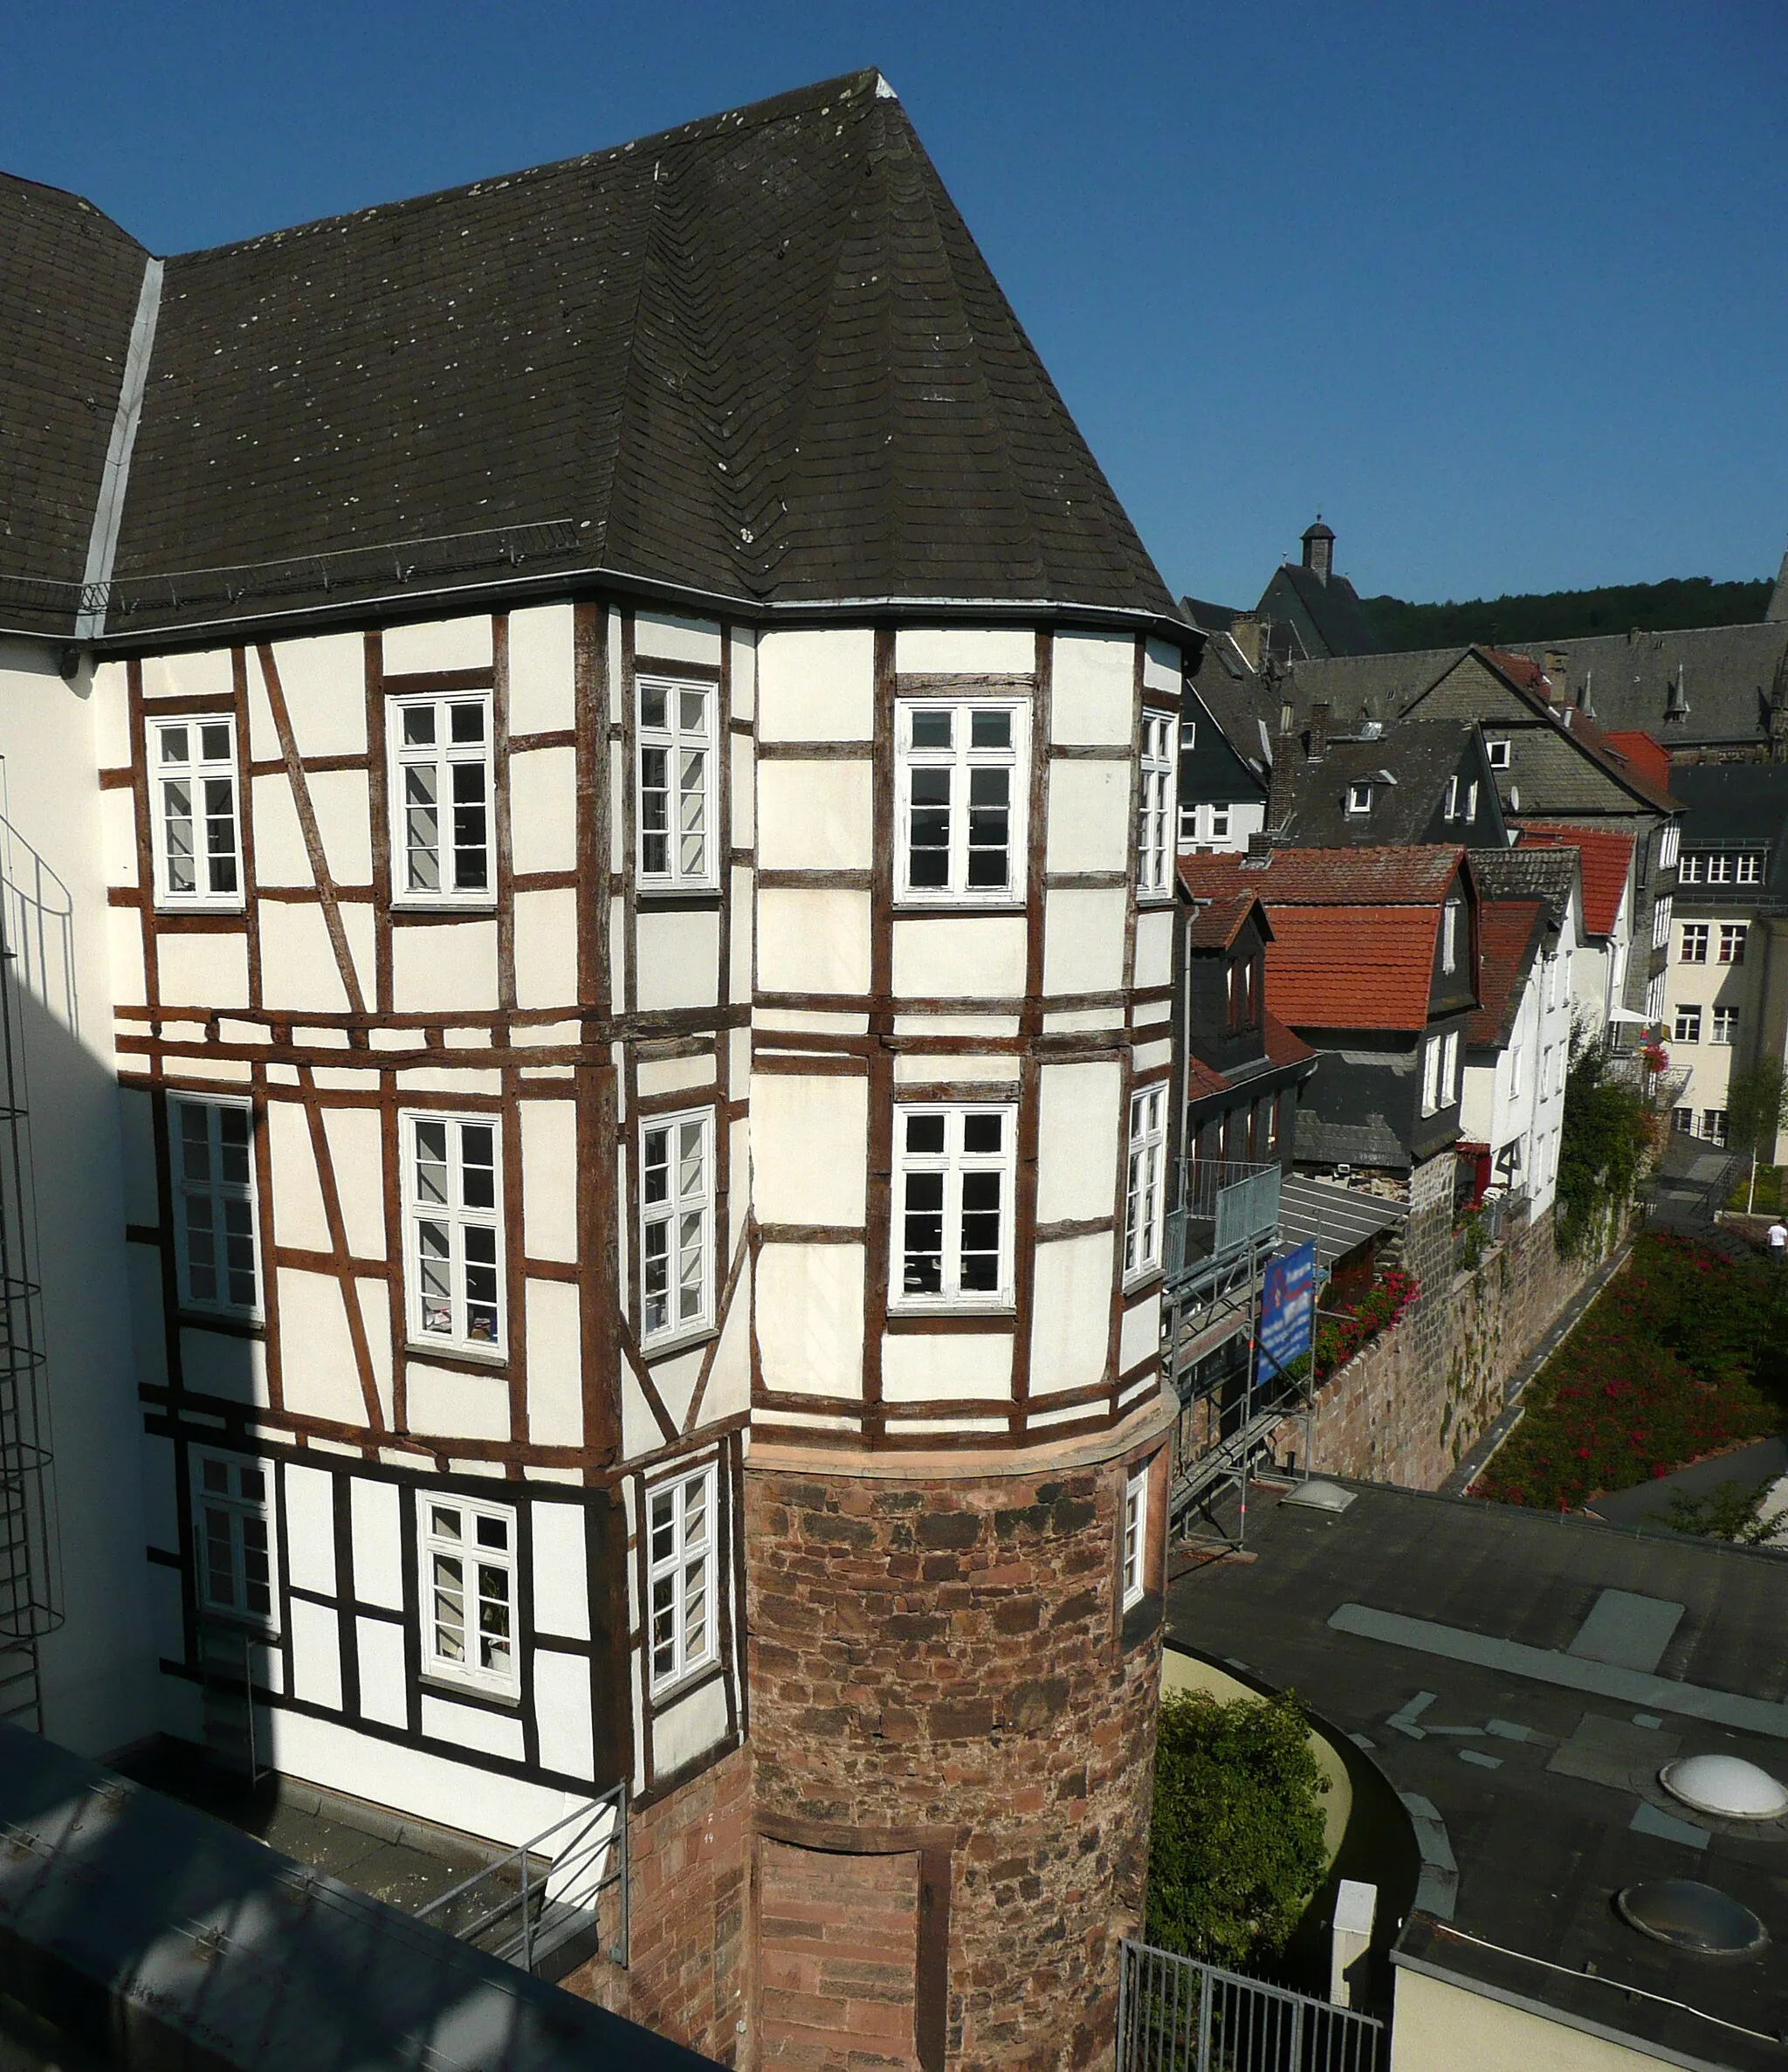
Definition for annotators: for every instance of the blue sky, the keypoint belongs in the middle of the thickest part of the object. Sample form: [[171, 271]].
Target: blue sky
[[1501, 289]]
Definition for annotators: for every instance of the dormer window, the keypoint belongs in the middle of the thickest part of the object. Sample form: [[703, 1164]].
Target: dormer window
[[1449, 935], [1452, 807], [1498, 751], [1244, 979], [1359, 798], [1470, 804]]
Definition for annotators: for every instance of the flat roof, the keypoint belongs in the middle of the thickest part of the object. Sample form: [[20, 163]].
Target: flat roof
[[1520, 1681]]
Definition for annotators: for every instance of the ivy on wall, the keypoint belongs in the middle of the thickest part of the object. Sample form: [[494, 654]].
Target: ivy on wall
[[1609, 1132]]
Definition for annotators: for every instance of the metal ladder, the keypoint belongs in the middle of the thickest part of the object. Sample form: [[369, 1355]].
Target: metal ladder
[[227, 1697]]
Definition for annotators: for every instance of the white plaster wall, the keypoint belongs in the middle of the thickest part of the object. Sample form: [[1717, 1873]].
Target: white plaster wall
[[816, 685], [814, 815], [549, 1178], [1092, 697], [667, 638], [678, 958], [1077, 1141], [203, 674], [1072, 1313], [546, 948], [555, 1365], [809, 1139], [542, 697], [918, 1369], [685, 1729], [342, 801], [317, 1372], [97, 1668], [1088, 816], [355, 1151], [204, 970], [942, 956], [1163, 668], [543, 809], [561, 1587], [384, 1679], [813, 941], [1154, 948], [298, 969], [446, 1404], [324, 679], [562, 1712], [463, 642], [978, 650], [443, 966], [316, 1654], [809, 1318], [1084, 940], [378, 1544], [310, 1528], [1440, 2026]]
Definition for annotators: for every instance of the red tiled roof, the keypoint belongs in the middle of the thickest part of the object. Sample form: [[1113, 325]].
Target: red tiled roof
[[1283, 1048], [1506, 931], [1218, 920], [1412, 876], [1650, 757], [1605, 858], [1635, 766], [1522, 669], [1352, 966]]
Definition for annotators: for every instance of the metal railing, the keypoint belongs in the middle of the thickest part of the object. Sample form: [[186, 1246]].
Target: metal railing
[[1222, 1203], [1179, 2014], [539, 1907]]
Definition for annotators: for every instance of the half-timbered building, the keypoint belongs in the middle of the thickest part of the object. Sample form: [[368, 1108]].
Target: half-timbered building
[[622, 753]]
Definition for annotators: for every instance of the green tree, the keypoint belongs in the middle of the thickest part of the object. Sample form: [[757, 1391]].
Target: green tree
[[1756, 1107], [1608, 1130], [1236, 1850], [1732, 1511]]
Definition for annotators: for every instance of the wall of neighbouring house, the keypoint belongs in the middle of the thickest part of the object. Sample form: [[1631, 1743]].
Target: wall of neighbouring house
[[1414, 1403], [1439, 2025]]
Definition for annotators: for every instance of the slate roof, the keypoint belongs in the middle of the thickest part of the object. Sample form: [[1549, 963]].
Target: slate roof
[[1606, 858], [1729, 805], [1211, 618], [69, 281], [1354, 930], [1419, 760], [759, 357], [1279, 1048], [1509, 932], [1572, 1661], [1527, 873], [1727, 674], [1328, 617]]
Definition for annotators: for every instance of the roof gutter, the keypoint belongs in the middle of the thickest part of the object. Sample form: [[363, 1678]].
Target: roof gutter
[[409, 599]]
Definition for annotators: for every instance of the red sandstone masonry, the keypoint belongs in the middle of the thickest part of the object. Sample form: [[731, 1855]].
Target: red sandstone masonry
[[944, 1655]]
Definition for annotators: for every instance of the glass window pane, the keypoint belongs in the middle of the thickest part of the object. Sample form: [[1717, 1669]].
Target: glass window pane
[[990, 730], [931, 729], [494, 1532], [924, 1135], [982, 1134], [467, 724], [172, 744], [418, 726], [693, 709], [214, 743], [652, 706]]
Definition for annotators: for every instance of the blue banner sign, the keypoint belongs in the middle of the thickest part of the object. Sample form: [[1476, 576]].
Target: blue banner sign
[[1288, 1307]]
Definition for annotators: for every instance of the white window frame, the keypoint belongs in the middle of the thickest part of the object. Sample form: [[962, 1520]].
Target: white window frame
[[690, 790], [682, 1570], [1431, 1075], [1733, 938], [955, 1164], [1725, 1026], [223, 1198], [1450, 1068], [1451, 807], [484, 1561], [1695, 943], [1144, 1193], [1154, 807], [1450, 913], [1661, 924], [1716, 868], [244, 1516], [1498, 753], [1133, 1553], [1471, 803], [1359, 799], [1682, 1121], [198, 773], [1688, 872], [441, 758], [1715, 1125], [676, 1225], [1750, 868], [1188, 733], [459, 1217], [961, 760], [1686, 1026], [1655, 999], [1669, 846]]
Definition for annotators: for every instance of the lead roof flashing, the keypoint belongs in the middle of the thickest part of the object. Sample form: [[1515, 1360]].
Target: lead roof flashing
[[108, 513]]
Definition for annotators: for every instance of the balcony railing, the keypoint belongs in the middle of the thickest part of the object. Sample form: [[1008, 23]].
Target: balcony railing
[[1223, 1204]]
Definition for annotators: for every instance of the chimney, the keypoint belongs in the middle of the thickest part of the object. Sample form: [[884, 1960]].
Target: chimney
[[1316, 741], [1319, 550], [1282, 786]]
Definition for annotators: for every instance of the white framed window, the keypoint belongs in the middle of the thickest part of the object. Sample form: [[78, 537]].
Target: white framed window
[[1135, 1551], [1661, 924], [1655, 999], [1715, 869], [1748, 867], [1189, 822], [1666, 848], [1449, 935], [1682, 1121], [1450, 811], [1449, 1067], [1515, 1057], [1713, 1124], [232, 1518], [1688, 1025], [674, 784], [1269, 1127], [953, 1203], [468, 1558], [215, 1221], [1220, 824], [1142, 1191], [453, 1256], [681, 1575], [1359, 798], [1498, 751], [960, 778], [442, 786], [1688, 872], [1732, 935], [1154, 812], [1546, 1071], [1695, 942], [194, 802], [1725, 1025], [1188, 734], [676, 1224], [1471, 801], [1430, 1075]]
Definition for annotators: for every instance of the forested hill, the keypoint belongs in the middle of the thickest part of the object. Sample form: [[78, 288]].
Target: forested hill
[[1564, 615]]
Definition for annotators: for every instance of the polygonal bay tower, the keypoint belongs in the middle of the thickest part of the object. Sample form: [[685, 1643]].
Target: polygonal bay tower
[[612, 750]]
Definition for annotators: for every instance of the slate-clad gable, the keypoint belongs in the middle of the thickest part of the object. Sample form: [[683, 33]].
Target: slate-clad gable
[[69, 284], [759, 357]]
